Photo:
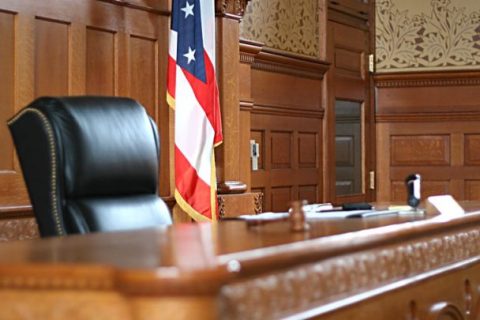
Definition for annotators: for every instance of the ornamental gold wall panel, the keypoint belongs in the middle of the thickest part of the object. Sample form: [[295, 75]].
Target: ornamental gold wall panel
[[427, 35], [289, 25]]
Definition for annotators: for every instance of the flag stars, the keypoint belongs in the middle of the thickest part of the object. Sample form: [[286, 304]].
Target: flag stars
[[190, 55], [188, 10]]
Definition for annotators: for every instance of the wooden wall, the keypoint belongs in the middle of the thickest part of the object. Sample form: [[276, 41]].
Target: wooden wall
[[75, 48], [93, 47], [284, 92], [428, 123]]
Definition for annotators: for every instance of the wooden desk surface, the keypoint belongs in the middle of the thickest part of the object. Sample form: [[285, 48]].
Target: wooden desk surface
[[228, 263]]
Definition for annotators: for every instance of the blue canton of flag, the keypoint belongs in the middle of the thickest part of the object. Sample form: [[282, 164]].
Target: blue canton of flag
[[187, 22]]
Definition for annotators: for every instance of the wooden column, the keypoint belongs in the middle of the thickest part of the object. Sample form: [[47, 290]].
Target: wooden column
[[229, 13]]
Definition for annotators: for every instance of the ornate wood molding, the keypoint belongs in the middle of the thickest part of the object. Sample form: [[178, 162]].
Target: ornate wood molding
[[18, 229], [287, 111], [427, 79], [290, 63], [248, 50], [429, 117], [328, 281], [232, 8]]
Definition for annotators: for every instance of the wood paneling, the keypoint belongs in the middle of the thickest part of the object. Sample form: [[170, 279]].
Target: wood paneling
[[75, 48], [101, 62], [281, 149], [418, 150], [280, 198], [143, 72], [428, 188], [291, 164], [428, 124], [286, 115], [472, 149], [472, 189], [51, 57], [7, 34], [307, 149]]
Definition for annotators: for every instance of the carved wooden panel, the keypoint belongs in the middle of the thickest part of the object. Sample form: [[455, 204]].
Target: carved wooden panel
[[7, 25], [76, 48], [472, 189], [280, 198], [101, 62], [281, 149], [18, 229], [285, 90], [428, 124], [420, 274], [143, 71], [348, 60], [472, 149], [51, 57], [308, 193], [417, 150], [291, 152], [428, 188], [233, 205], [307, 149]]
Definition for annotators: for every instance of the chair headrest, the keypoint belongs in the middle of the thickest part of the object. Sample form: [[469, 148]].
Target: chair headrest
[[105, 145]]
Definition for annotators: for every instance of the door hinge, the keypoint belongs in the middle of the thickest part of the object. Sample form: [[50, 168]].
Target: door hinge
[[372, 180], [371, 63]]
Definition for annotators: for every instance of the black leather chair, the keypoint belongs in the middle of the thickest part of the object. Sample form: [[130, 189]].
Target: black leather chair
[[90, 164]]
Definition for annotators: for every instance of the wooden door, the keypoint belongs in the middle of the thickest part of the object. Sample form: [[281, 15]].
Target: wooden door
[[349, 126]]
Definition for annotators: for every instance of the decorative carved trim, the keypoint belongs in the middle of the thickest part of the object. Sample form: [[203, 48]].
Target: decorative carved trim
[[412, 79], [231, 8], [429, 117], [18, 229], [41, 277], [427, 83], [221, 207], [326, 281], [287, 111], [289, 63], [258, 202]]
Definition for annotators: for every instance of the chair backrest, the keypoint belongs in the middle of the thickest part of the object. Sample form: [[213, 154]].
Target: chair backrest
[[90, 164]]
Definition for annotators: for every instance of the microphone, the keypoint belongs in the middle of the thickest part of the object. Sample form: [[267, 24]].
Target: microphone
[[412, 182]]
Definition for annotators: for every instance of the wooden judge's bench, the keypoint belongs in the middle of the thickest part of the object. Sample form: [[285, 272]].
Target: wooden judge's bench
[[390, 267]]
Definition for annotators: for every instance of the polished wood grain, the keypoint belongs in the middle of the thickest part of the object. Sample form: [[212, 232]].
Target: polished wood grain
[[76, 48], [428, 123], [391, 267]]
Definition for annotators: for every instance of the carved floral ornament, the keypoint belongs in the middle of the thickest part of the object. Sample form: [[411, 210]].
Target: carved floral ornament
[[234, 7], [446, 37]]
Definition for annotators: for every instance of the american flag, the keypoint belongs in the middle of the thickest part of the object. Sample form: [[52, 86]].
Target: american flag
[[192, 91]]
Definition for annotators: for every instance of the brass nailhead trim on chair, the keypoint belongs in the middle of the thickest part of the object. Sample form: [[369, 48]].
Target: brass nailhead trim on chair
[[51, 144]]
